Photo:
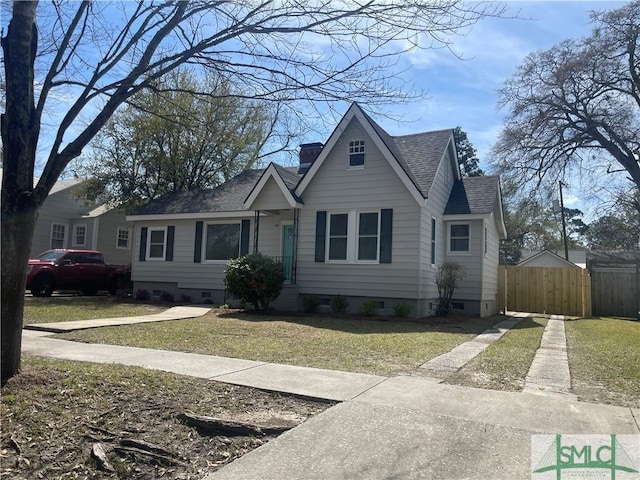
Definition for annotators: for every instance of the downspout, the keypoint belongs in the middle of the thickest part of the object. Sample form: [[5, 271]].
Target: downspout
[[256, 227], [294, 261]]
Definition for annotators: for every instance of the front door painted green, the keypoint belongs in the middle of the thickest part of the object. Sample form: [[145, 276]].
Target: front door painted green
[[287, 251]]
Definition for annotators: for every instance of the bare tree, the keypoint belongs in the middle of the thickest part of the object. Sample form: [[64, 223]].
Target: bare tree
[[93, 56], [575, 109], [171, 138]]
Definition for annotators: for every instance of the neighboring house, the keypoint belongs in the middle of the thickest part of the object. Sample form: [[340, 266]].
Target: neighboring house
[[547, 258], [67, 222], [366, 216]]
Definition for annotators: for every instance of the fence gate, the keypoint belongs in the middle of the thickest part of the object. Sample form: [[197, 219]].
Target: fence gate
[[560, 291]]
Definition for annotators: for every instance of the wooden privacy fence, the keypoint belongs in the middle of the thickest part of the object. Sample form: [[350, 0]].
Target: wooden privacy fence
[[560, 291], [616, 293]]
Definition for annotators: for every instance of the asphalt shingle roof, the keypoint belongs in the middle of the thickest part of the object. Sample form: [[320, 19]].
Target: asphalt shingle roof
[[228, 197], [418, 154], [473, 195]]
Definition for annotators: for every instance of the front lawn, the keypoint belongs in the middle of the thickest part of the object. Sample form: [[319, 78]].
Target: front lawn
[[73, 307], [338, 343], [604, 359]]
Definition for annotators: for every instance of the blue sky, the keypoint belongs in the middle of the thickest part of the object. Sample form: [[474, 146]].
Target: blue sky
[[463, 92]]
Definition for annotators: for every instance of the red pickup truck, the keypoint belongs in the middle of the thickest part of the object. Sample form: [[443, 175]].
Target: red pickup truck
[[82, 270]]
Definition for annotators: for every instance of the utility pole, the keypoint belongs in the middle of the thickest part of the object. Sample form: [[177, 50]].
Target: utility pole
[[564, 225]]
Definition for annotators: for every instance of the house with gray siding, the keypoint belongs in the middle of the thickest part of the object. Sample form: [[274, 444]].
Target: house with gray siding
[[66, 221], [365, 215]]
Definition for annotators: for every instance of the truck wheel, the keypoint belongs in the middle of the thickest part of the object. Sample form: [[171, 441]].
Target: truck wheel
[[42, 286]]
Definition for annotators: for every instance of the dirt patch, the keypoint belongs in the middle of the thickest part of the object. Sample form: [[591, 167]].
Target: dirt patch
[[54, 414], [593, 392]]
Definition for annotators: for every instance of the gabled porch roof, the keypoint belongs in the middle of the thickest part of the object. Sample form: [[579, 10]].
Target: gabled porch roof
[[285, 179]]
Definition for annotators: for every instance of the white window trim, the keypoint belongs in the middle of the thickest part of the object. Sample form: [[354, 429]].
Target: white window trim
[[164, 244], [350, 246], [458, 252], [65, 237], [357, 237], [75, 235], [204, 242], [349, 153], [433, 243], [123, 229], [353, 224]]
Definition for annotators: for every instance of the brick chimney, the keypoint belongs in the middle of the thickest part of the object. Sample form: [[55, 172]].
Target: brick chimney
[[308, 154]]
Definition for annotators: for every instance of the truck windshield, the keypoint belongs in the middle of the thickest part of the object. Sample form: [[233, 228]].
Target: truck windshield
[[51, 255]]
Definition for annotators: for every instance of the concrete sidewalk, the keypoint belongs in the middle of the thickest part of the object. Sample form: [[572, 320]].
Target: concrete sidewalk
[[174, 313], [549, 372], [452, 361], [309, 382], [416, 428], [403, 427]]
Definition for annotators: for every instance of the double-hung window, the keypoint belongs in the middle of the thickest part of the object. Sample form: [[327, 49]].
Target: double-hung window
[[368, 235], [459, 238], [356, 153], [338, 236], [157, 244], [58, 235], [122, 240], [353, 237], [79, 235], [222, 241]]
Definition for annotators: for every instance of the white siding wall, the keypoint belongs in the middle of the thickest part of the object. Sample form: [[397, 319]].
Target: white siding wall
[[183, 271], [471, 286], [438, 197], [59, 207], [270, 234], [270, 198], [108, 224], [335, 188], [491, 261]]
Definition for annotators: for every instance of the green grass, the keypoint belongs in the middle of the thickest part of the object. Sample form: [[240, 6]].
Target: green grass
[[504, 364], [604, 359], [64, 309], [350, 344]]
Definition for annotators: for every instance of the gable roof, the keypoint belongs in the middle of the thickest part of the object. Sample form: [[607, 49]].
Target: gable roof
[[415, 158], [286, 179], [552, 256], [228, 197], [418, 154]]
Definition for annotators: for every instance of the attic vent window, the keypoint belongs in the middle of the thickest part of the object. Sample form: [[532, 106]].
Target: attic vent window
[[356, 153]]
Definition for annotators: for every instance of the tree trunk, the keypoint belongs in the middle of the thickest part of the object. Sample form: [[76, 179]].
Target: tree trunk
[[17, 233], [19, 131]]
